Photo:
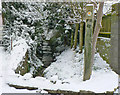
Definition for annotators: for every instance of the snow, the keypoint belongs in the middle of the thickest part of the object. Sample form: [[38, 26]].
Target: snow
[[9, 62], [103, 38], [74, 65], [20, 48], [67, 26], [89, 5], [64, 74], [69, 69], [108, 4], [4, 64]]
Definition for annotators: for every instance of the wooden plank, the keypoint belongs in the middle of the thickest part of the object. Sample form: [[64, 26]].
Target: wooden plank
[[22, 87], [67, 92], [105, 33]]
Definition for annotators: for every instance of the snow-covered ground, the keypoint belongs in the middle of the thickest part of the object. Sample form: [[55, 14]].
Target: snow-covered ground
[[8, 63], [69, 69], [64, 74]]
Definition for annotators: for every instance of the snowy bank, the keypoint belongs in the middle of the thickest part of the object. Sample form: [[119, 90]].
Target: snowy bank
[[69, 69], [9, 62], [64, 74]]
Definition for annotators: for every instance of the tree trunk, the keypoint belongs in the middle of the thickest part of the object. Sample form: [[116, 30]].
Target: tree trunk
[[75, 37], [97, 29], [81, 37]]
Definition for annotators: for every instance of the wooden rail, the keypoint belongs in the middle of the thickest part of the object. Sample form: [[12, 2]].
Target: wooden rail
[[105, 33]]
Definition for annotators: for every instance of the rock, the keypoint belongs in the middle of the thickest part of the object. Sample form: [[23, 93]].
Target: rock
[[23, 67]]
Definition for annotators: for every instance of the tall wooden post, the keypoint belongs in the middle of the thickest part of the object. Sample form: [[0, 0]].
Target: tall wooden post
[[88, 41], [75, 37], [72, 39], [81, 37]]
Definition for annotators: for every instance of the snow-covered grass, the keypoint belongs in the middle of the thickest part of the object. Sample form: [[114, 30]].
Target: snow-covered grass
[[64, 74]]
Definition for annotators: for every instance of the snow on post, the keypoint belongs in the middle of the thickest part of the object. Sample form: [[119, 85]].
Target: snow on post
[[88, 41]]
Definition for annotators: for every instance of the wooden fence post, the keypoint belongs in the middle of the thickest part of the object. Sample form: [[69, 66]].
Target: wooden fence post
[[72, 39], [81, 36], [88, 41], [76, 34], [115, 41]]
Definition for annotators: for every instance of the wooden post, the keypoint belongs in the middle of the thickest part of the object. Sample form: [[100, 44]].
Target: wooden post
[[115, 39], [75, 37], [72, 39], [88, 41], [81, 37]]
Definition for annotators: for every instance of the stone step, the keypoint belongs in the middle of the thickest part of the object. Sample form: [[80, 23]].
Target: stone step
[[46, 49], [50, 60], [47, 58], [45, 43], [47, 52], [45, 46]]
